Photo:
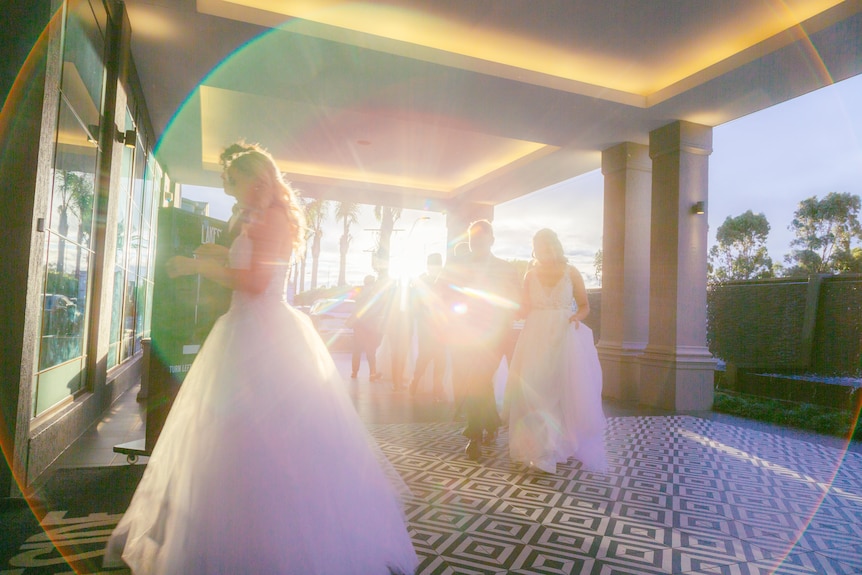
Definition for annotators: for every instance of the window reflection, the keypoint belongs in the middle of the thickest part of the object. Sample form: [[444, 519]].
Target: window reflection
[[73, 193], [123, 197], [68, 255], [130, 305], [116, 317], [83, 71], [69, 239], [64, 303]]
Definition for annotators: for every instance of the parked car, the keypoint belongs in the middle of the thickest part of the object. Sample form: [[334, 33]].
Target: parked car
[[329, 317]]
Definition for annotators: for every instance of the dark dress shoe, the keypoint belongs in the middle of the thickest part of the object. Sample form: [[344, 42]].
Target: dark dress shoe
[[473, 450]]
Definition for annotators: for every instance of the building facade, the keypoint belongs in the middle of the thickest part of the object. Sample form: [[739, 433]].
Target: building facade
[[80, 187]]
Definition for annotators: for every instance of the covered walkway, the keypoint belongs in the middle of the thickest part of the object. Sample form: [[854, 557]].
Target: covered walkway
[[690, 493]]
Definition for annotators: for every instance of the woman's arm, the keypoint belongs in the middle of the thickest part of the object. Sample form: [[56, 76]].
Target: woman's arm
[[579, 292], [268, 237], [212, 251], [211, 268]]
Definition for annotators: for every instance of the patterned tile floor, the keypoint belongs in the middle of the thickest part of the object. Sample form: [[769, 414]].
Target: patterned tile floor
[[684, 494]]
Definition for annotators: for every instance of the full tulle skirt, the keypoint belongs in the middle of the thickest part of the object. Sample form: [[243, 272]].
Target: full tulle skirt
[[554, 395], [263, 465]]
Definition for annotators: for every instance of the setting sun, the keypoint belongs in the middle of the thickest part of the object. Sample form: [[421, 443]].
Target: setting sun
[[421, 234]]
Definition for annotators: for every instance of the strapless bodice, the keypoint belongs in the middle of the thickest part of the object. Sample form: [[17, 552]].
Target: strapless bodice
[[239, 257]]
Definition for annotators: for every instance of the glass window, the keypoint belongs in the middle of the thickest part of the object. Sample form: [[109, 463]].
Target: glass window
[[83, 68], [73, 195], [138, 190], [123, 196], [68, 254], [130, 302], [148, 254], [63, 303], [101, 16], [116, 317], [116, 349], [133, 272]]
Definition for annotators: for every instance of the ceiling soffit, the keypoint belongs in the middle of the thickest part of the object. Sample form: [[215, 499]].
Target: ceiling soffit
[[421, 102]]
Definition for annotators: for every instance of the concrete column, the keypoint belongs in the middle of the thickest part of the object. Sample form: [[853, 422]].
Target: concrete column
[[625, 267], [29, 80], [676, 368]]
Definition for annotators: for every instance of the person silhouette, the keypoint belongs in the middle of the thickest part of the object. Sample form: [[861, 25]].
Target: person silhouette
[[398, 328], [486, 301], [263, 465], [366, 324], [430, 315], [554, 388]]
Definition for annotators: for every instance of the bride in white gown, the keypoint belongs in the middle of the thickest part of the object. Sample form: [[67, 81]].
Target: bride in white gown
[[554, 389], [263, 465]]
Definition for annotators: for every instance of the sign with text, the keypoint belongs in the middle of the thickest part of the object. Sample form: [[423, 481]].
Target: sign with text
[[184, 310]]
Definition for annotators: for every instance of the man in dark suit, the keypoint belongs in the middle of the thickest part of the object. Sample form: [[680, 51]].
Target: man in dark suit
[[487, 295]]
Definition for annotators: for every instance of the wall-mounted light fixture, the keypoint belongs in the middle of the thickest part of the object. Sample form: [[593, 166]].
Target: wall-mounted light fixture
[[699, 207], [129, 138]]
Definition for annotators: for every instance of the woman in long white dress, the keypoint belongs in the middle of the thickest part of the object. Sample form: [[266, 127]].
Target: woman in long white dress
[[554, 388], [263, 465]]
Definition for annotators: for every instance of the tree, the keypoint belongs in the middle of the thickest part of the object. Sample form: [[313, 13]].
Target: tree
[[301, 260], [76, 198], [316, 212], [348, 214], [850, 261], [825, 231], [740, 252], [387, 216], [597, 264]]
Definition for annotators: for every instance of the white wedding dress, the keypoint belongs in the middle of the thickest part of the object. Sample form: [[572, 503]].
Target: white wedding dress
[[263, 465], [554, 387]]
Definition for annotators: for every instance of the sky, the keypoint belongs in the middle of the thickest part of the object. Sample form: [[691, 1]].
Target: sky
[[767, 162]]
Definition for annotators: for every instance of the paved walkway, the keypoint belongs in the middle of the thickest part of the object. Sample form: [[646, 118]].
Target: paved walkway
[[693, 493]]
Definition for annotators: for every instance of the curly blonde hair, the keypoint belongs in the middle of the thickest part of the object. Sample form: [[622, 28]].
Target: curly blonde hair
[[254, 161]]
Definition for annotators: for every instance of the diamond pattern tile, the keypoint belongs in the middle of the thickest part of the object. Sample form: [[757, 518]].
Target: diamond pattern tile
[[683, 495]]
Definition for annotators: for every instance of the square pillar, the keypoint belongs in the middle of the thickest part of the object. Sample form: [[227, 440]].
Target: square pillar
[[627, 171], [676, 368]]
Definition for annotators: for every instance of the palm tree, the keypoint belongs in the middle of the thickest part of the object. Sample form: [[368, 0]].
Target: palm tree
[[316, 212], [387, 216], [299, 261], [82, 204], [299, 274], [76, 198], [348, 214]]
